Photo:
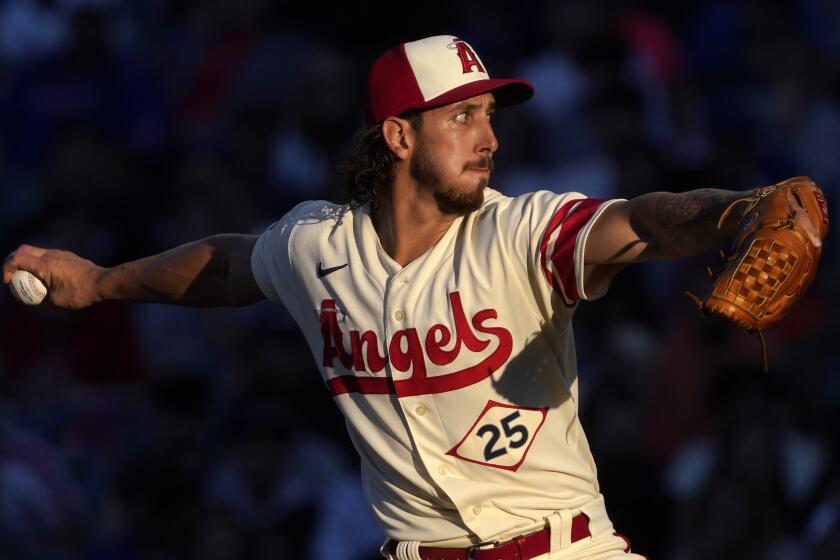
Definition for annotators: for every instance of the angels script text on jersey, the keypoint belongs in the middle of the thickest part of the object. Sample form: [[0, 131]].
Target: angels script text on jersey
[[364, 353]]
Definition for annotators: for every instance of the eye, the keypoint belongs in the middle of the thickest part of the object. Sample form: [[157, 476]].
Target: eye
[[462, 118]]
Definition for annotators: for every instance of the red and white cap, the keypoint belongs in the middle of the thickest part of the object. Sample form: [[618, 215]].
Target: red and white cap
[[430, 73]]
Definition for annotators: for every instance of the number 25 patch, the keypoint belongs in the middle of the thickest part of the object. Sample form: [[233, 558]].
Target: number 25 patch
[[501, 436]]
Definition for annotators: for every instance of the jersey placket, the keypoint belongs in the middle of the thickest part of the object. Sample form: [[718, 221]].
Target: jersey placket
[[426, 423]]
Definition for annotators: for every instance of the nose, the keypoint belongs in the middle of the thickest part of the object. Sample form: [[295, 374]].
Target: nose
[[487, 142]]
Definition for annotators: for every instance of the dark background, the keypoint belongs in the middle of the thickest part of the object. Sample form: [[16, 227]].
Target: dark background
[[154, 432]]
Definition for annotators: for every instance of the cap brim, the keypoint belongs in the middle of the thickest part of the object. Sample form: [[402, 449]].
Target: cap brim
[[506, 92]]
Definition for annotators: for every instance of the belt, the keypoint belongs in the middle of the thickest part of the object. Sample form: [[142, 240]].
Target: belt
[[523, 547]]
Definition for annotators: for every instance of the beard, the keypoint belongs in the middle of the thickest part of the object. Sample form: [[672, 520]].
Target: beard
[[449, 199]]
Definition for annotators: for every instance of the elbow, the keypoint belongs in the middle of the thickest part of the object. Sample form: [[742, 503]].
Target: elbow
[[225, 279]]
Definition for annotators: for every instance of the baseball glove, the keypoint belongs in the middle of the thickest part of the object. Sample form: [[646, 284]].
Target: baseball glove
[[774, 255]]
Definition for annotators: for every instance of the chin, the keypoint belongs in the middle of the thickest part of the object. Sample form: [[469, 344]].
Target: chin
[[461, 202]]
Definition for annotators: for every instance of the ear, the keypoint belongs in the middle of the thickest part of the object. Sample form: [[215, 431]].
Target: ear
[[398, 134]]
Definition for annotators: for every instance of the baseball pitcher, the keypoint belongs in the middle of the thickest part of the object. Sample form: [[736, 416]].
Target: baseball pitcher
[[439, 310]]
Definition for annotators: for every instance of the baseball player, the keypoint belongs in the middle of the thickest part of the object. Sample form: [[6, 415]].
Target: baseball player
[[438, 310]]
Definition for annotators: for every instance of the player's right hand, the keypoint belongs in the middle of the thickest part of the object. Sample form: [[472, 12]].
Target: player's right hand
[[72, 282]]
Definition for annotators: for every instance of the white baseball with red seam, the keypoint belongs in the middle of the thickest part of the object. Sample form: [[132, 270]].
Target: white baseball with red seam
[[27, 288]]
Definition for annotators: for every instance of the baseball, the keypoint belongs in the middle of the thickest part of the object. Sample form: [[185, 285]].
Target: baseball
[[27, 288]]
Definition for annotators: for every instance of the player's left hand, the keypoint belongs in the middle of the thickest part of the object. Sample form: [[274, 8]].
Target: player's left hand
[[775, 255]]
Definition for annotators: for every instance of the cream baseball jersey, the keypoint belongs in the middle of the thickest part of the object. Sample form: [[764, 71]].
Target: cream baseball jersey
[[456, 373]]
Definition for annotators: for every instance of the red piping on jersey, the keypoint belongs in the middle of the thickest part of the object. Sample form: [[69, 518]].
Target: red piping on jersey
[[571, 217]]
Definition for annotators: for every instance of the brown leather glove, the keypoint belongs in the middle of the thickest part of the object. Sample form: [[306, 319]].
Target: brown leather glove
[[775, 255]]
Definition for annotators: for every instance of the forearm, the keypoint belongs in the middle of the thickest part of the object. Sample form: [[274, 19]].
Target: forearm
[[685, 224], [205, 273]]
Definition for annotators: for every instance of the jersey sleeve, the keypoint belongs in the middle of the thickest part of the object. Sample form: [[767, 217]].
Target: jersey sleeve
[[270, 259], [549, 233], [562, 245]]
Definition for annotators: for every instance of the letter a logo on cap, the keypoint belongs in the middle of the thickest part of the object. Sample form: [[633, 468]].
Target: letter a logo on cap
[[424, 74], [468, 57]]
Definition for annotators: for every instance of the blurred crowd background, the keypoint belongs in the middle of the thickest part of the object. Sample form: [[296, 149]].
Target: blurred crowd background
[[154, 432]]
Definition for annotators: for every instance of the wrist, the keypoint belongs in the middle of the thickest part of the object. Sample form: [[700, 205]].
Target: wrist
[[740, 204], [102, 283]]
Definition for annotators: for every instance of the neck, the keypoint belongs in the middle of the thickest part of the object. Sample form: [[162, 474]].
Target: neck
[[409, 223]]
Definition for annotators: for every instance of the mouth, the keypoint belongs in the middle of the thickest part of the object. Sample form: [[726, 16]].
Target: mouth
[[482, 165]]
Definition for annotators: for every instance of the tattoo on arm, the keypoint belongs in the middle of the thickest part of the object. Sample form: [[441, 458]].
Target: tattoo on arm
[[696, 209], [681, 224]]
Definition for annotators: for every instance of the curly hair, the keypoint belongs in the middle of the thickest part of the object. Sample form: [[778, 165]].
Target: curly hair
[[368, 169]]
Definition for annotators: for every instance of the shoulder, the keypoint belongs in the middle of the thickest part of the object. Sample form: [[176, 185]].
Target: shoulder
[[313, 213], [537, 203], [297, 240], [306, 225]]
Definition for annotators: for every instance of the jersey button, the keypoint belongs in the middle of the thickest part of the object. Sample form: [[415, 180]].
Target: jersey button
[[442, 469], [420, 410], [399, 315], [476, 509]]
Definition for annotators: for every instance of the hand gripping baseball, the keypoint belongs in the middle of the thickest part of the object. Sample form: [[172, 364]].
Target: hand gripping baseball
[[71, 280], [774, 256]]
